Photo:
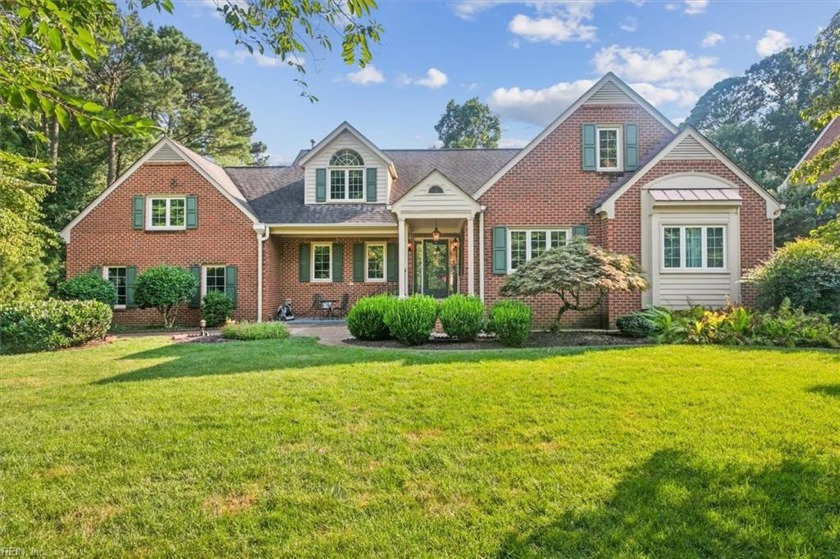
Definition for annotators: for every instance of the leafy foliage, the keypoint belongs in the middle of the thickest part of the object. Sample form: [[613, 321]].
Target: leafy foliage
[[411, 320], [255, 331], [216, 308], [165, 288], [511, 322], [471, 125], [462, 316], [573, 271], [89, 287], [806, 272], [51, 324], [366, 319], [636, 325]]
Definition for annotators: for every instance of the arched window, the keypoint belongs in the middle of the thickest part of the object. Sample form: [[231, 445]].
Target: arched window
[[435, 190], [347, 182]]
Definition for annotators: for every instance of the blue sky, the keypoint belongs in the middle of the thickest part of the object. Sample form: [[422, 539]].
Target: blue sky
[[528, 60]]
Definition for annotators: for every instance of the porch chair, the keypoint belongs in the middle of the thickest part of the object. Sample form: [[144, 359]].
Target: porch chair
[[318, 306], [341, 310]]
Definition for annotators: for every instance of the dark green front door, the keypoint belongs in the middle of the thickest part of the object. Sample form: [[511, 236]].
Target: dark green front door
[[436, 268]]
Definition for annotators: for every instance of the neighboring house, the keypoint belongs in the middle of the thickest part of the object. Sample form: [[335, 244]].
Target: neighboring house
[[824, 139], [348, 217]]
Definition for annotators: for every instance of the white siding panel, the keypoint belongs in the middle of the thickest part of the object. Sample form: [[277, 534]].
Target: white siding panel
[[689, 148], [346, 140], [609, 94], [420, 201], [685, 289], [165, 154]]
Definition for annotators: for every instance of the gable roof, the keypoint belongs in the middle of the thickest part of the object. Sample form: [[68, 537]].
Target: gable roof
[[345, 126], [168, 150], [437, 176], [610, 81], [826, 136], [606, 202]]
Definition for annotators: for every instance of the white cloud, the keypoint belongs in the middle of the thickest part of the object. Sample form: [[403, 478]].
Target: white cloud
[[711, 39], [261, 60], [665, 95], [366, 76], [555, 21], [433, 80], [551, 29], [630, 24], [772, 42], [694, 7], [671, 6], [514, 143], [669, 68], [638, 2], [537, 106]]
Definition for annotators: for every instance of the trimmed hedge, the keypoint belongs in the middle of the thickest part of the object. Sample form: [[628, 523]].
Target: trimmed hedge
[[216, 308], [462, 316], [255, 331], [51, 324], [88, 287], [636, 325], [366, 319], [412, 320], [511, 322]]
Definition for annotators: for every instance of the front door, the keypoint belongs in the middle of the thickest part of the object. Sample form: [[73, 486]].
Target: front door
[[436, 268]]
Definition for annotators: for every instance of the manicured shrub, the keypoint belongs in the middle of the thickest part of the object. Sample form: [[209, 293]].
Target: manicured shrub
[[255, 331], [412, 320], [51, 324], [165, 288], [511, 322], [216, 308], [366, 319], [462, 316], [807, 272], [88, 287], [636, 325]]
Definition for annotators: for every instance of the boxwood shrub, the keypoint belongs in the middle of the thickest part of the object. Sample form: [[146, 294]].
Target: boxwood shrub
[[51, 324], [636, 325], [511, 322], [255, 331], [366, 319], [216, 308], [462, 316], [88, 287], [412, 320]]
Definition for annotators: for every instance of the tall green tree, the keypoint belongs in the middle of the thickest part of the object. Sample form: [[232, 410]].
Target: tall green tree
[[471, 125]]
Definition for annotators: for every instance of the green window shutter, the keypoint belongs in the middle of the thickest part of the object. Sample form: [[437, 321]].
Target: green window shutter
[[139, 207], [303, 263], [337, 262], [580, 231], [130, 282], [320, 185], [631, 147], [589, 152], [500, 250], [371, 185], [230, 283], [392, 262], [195, 300], [192, 212], [359, 262]]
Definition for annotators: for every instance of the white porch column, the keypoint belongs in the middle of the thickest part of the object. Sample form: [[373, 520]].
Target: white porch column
[[402, 264], [481, 254], [471, 255]]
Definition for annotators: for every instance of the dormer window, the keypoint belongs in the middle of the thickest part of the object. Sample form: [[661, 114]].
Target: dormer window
[[347, 176]]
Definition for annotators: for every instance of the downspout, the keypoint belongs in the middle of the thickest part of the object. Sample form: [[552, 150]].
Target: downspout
[[263, 232], [481, 253]]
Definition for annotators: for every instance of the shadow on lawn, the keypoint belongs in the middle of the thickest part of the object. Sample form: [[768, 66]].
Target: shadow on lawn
[[827, 389], [195, 360], [671, 506]]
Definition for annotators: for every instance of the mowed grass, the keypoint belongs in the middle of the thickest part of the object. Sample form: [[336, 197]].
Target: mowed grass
[[292, 449]]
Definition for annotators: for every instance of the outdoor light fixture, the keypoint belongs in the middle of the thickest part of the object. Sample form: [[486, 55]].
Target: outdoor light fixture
[[409, 246], [455, 244], [436, 233]]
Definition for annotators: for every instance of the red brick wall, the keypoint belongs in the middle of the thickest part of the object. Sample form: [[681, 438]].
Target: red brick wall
[[549, 188], [106, 237], [282, 281]]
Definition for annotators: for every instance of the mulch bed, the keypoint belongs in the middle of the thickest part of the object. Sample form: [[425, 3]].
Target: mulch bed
[[199, 339], [537, 340]]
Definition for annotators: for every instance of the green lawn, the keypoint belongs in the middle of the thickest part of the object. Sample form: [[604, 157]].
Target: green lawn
[[292, 449]]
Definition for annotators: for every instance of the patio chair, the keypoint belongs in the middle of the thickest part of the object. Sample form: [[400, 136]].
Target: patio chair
[[318, 307], [341, 310]]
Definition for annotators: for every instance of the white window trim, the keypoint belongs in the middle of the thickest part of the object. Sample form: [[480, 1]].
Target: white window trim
[[168, 199], [384, 278], [105, 276], [528, 231], [312, 263], [346, 198], [204, 277], [683, 269], [619, 145]]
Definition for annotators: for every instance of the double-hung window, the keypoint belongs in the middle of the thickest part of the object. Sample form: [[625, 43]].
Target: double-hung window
[[375, 262], [347, 176], [526, 244], [166, 213], [693, 247], [214, 279], [322, 262], [609, 148], [117, 275]]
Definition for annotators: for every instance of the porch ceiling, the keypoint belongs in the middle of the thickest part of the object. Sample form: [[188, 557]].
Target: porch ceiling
[[448, 225]]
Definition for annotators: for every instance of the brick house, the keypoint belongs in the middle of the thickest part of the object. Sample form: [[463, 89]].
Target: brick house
[[348, 217]]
